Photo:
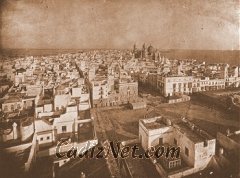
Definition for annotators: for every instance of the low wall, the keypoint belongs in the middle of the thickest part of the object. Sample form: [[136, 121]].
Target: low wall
[[179, 100], [26, 131], [32, 154], [17, 148], [228, 143]]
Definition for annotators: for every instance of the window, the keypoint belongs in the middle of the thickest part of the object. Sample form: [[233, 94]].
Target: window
[[64, 128], [41, 139], [186, 151], [48, 138], [205, 143]]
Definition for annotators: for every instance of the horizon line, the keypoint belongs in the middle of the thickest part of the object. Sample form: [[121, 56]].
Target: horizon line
[[115, 49]]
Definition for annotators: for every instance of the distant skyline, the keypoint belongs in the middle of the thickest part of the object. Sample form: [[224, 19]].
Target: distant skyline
[[89, 24]]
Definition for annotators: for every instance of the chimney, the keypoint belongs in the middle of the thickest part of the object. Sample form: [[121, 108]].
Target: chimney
[[14, 130]]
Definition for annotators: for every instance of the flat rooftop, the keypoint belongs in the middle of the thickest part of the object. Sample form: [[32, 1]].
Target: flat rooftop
[[86, 132], [141, 167], [196, 135], [12, 99], [153, 123], [73, 168], [19, 156]]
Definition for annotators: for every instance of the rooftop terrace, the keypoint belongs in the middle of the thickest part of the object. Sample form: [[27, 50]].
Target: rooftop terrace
[[153, 123], [192, 132]]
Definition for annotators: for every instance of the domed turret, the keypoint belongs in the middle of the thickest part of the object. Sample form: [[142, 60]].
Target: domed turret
[[150, 50], [134, 48]]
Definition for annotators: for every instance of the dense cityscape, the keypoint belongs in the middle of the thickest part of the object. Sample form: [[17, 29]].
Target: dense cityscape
[[119, 89], [133, 97]]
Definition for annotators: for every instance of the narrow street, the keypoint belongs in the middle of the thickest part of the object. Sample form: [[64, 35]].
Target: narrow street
[[102, 126]]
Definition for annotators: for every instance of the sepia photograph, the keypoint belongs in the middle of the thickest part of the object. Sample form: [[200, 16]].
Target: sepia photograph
[[119, 88]]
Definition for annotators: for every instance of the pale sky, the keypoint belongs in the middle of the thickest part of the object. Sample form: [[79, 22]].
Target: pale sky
[[81, 24]]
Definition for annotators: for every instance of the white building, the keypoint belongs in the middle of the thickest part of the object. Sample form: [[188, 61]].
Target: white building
[[197, 148], [173, 85]]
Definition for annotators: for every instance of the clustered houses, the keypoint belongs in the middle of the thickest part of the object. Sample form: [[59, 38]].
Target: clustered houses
[[179, 77], [109, 84], [170, 84], [44, 99], [121, 92], [197, 147], [17, 138], [15, 102], [47, 100]]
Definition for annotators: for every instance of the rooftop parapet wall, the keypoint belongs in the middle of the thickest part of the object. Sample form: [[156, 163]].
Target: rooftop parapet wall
[[192, 131], [32, 154], [155, 125], [228, 143]]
